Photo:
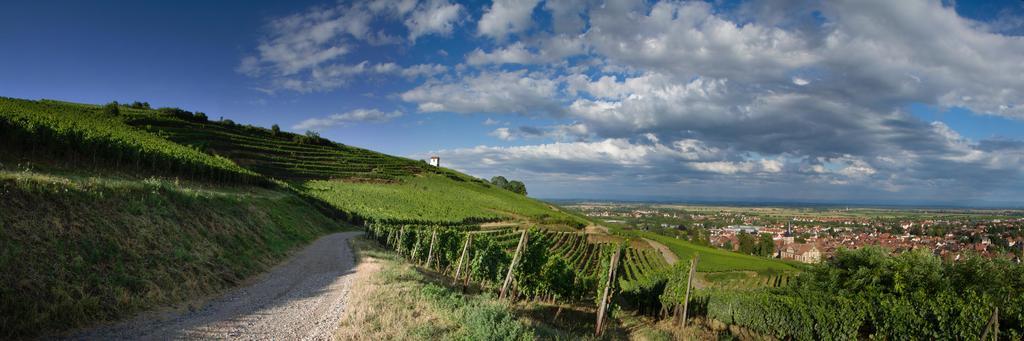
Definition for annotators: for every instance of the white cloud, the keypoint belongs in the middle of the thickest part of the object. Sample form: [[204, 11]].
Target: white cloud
[[354, 116], [795, 92], [512, 54], [423, 70], [337, 75], [489, 92], [551, 49], [724, 167], [566, 15], [503, 134], [505, 17], [433, 17], [303, 52]]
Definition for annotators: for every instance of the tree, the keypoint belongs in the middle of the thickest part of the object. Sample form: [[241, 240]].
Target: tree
[[112, 108], [746, 242], [499, 181], [699, 236], [517, 187], [201, 117], [765, 245], [275, 130]]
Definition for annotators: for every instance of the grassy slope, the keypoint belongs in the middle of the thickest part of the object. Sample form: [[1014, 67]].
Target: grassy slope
[[711, 259], [434, 198], [73, 252], [92, 240]]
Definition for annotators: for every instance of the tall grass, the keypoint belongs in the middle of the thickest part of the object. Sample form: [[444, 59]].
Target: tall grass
[[75, 252]]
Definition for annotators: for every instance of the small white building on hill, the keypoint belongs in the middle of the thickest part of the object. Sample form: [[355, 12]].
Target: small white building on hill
[[435, 161]]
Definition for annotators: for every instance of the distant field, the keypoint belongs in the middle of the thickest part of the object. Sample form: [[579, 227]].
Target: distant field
[[435, 199], [712, 259]]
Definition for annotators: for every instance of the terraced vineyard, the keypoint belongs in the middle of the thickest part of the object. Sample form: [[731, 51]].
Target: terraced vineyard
[[278, 155], [90, 135]]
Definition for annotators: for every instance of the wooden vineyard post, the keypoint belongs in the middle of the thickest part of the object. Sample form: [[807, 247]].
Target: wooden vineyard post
[[430, 253], [401, 236], [993, 325], [607, 292], [689, 284], [515, 259], [465, 249]]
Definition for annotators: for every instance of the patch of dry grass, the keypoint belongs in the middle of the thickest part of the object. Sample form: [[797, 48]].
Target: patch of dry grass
[[394, 300], [384, 302]]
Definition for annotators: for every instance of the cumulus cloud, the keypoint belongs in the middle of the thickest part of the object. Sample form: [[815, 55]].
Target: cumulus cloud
[[489, 92], [303, 52], [503, 134], [552, 49], [562, 132], [811, 94], [505, 17], [337, 75], [433, 17], [354, 116]]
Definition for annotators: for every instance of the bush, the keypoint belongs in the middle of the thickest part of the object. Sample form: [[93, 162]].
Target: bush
[[112, 108], [176, 112], [201, 117], [311, 138], [866, 293]]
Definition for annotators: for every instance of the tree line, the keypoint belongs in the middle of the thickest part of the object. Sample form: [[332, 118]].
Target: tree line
[[514, 186]]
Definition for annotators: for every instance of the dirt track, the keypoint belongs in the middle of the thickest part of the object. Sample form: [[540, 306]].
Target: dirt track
[[670, 256], [301, 299]]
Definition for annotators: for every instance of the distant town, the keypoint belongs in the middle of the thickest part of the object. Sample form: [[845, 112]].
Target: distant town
[[811, 235]]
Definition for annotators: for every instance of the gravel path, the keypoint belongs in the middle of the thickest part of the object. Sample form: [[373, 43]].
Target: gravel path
[[670, 256], [301, 299]]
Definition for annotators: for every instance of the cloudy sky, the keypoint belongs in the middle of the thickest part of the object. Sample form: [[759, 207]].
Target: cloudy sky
[[865, 101]]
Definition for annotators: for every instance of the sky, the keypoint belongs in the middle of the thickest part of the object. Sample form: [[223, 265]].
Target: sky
[[866, 101]]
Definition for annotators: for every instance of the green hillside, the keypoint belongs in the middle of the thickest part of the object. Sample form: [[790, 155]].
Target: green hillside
[[82, 135], [77, 250], [126, 208], [173, 142], [279, 155], [714, 260], [107, 210], [436, 199]]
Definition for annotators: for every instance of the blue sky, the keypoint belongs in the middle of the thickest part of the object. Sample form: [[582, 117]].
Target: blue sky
[[843, 101]]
